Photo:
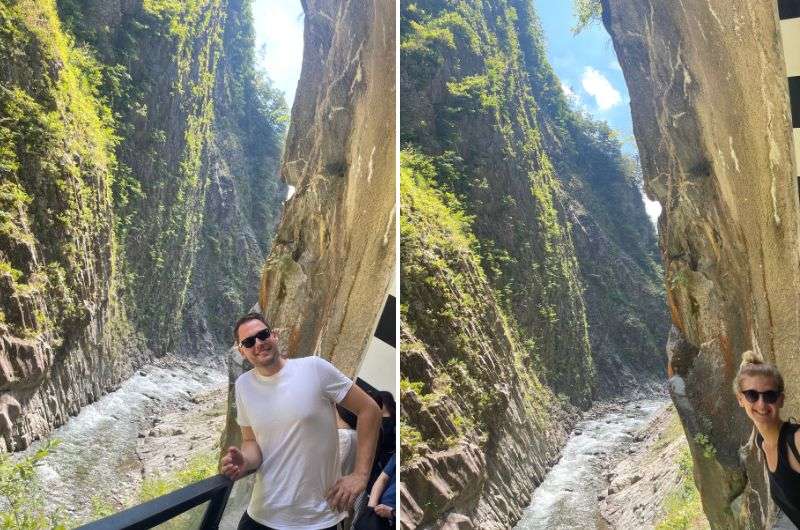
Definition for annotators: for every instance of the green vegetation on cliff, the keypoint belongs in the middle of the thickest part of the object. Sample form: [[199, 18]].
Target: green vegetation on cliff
[[465, 372], [439, 266], [475, 116], [138, 191], [192, 111], [242, 204], [141, 128], [528, 265], [57, 163]]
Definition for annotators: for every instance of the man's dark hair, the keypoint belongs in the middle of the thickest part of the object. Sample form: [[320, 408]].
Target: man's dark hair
[[247, 318]]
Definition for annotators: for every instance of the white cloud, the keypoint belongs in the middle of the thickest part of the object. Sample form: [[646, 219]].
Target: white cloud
[[279, 42], [600, 88], [614, 65]]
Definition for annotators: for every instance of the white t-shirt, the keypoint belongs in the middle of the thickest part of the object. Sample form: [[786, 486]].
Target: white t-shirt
[[348, 443], [292, 416]]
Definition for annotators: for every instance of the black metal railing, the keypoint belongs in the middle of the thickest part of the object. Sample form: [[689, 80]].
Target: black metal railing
[[214, 490]]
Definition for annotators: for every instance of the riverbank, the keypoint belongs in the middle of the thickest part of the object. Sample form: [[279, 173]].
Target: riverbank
[[652, 486], [568, 496], [156, 422]]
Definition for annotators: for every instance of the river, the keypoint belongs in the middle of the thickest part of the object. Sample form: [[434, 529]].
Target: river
[[567, 498], [97, 457]]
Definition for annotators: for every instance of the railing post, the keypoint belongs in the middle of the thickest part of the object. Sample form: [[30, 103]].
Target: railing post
[[216, 507]]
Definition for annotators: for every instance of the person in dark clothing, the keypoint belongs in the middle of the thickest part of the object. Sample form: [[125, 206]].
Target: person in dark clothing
[[386, 444], [381, 507], [759, 389]]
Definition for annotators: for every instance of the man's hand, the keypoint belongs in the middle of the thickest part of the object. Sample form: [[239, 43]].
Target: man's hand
[[384, 511], [342, 495], [233, 464]]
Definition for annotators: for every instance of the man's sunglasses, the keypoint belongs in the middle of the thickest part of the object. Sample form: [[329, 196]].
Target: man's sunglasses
[[769, 397], [262, 335]]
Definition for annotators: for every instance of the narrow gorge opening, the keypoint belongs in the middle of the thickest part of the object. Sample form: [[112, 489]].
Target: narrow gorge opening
[[525, 217], [593, 483], [543, 296]]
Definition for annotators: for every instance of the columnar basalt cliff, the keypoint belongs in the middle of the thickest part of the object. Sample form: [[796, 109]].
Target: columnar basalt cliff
[[711, 116], [479, 430], [117, 120], [529, 282]]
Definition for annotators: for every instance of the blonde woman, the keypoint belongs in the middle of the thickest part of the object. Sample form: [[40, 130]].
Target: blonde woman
[[759, 390]]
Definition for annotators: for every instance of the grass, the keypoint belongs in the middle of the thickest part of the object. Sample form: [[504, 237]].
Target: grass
[[682, 507], [21, 498], [198, 468]]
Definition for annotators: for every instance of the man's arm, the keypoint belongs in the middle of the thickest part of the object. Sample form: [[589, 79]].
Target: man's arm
[[377, 490], [238, 462], [345, 491]]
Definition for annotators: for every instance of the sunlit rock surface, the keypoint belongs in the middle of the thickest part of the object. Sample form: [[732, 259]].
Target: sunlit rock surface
[[711, 117], [325, 280]]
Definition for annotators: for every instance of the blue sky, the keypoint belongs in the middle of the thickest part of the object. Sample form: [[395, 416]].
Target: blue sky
[[588, 67], [279, 42], [589, 72]]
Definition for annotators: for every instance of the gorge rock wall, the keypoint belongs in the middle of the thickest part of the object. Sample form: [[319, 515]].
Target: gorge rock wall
[[711, 117], [333, 254], [529, 283], [108, 115], [478, 428], [243, 196]]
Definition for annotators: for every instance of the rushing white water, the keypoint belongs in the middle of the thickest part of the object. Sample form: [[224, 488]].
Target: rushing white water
[[97, 458], [567, 498]]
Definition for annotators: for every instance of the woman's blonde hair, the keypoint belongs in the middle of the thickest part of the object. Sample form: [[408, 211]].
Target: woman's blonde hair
[[753, 365]]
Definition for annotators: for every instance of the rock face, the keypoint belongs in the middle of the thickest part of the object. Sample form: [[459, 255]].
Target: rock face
[[711, 117], [512, 255], [117, 120], [243, 195], [334, 251], [478, 429]]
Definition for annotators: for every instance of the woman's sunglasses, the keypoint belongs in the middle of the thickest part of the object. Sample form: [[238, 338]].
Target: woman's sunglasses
[[769, 397], [262, 335]]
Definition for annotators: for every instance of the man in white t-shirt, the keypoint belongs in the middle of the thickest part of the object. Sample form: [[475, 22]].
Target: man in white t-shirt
[[285, 408]]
